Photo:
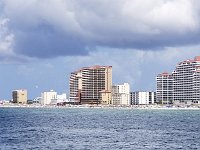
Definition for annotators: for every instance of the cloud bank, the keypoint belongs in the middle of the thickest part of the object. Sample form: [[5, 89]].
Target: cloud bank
[[49, 28]]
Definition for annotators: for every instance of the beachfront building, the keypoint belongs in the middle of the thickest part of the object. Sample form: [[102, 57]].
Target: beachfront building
[[121, 94], [20, 96], [182, 86], [196, 87], [187, 81], [164, 90], [61, 98], [105, 97], [37, 100], [49, 97], [142, 97], [91, 85], [75, 86]]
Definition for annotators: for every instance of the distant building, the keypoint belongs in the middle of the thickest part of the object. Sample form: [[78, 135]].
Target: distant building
[[164, 91], [37, 100], [121, 94], [48, 97], [20, 96], [105, 97], [182, 86], [62, 98], [187, 81], [91, 85], [142, 98]]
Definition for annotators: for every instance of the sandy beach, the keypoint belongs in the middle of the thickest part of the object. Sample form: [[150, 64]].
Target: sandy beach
[[171, 107]]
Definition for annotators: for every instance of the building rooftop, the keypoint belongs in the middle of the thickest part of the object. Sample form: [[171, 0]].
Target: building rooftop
[[165, 74], [196, 58]]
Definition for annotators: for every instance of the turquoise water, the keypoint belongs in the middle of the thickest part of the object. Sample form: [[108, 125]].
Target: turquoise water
[[98, 128]]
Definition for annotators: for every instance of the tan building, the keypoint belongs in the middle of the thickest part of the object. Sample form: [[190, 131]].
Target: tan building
[[20, 96], [87, 84], [105, 97]]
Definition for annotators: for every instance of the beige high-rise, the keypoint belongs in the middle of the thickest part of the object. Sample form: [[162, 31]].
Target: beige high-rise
[[91, 85], [20, 96]]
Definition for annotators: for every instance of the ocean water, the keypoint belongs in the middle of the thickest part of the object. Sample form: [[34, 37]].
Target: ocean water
[[98, 128]]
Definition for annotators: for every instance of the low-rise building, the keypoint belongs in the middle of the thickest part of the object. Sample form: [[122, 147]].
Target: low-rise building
[[37, 100], [142, 98], [105, 97]]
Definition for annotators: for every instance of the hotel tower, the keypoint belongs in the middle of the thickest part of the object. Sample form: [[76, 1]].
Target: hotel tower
[[183, 85], [164, 91], [187, 81], [91, 85]]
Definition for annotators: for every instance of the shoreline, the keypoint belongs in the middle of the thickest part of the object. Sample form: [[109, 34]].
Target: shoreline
[[134, 107]]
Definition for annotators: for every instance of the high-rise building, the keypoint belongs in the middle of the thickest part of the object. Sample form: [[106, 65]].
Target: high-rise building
[[142, 98], [186, 81], [164, 91], [20, 96], [91, 85], [121, 94], [75, 86], [182, 86]]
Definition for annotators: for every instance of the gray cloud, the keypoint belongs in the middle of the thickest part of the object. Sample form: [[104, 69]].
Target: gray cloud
[[49, 28]]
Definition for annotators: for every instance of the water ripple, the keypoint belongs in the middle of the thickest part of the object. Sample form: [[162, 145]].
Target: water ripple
[[43, 128]]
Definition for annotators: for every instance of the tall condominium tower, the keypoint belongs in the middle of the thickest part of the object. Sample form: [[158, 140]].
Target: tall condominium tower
[[91, 85], [164, 91], [186, 83], [187, 80]]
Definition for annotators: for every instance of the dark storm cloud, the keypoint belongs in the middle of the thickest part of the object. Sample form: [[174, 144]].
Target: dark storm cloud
[[44, 41], [49, 28]]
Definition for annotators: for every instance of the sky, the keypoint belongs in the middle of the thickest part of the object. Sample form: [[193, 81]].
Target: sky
[[43, 41]]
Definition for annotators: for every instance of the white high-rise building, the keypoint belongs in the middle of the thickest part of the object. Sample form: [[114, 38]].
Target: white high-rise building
[[164, 91], [121, 94], [182, 86], [186, 81]]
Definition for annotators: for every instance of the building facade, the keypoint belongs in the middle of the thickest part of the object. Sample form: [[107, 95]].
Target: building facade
[[75, 86], [121, 94], [142, 98], [48, 98], [182, 86], [91, 85], [20, 96], [186, 81], [164, 90]]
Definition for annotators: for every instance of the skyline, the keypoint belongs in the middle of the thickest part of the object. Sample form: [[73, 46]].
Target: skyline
[[39, 48]]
